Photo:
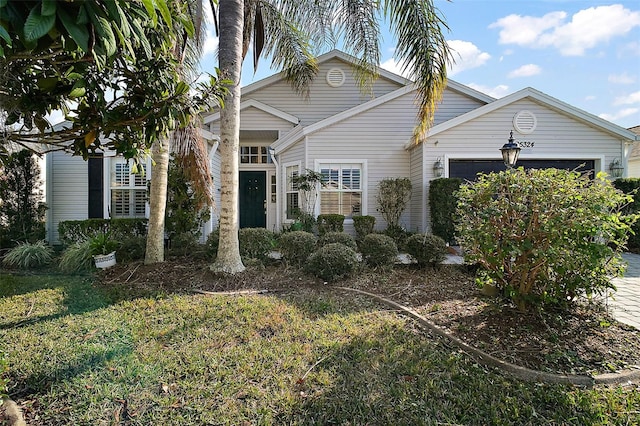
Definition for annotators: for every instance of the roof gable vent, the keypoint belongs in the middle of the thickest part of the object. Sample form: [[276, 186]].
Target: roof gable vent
[[525, 122], [335, 77]]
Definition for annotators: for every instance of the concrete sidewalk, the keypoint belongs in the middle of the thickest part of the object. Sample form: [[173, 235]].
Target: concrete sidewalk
[[624, 305]]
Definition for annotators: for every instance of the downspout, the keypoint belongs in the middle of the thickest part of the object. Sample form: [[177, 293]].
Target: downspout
[[272, 154]]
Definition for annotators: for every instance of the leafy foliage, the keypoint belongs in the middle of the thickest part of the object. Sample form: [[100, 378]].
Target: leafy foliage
[[332, 261], [77, 56], [21, 209], [330, 223], [29, 255], [103, 244], [631, 186], [255, 243], [399, 235], [186, 210], [4, 381], [338, 237], [131, 249], [363, 226], [297, 246], [427, 249], [72, 231], [393, 196], [442, 207], [77, 258], [544, 236], [379, 251]]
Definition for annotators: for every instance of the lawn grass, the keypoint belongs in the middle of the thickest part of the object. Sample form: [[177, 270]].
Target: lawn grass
[[86, 356]]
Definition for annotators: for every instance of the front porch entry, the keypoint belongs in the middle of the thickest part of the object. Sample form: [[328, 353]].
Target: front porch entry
[[253, 199]]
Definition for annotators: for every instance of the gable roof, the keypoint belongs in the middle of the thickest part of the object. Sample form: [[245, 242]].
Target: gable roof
[[259, 105], [542, 98]]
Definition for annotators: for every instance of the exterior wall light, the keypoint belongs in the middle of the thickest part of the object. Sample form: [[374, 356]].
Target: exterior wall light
[[510, 152], [438, 168], [616, 168]]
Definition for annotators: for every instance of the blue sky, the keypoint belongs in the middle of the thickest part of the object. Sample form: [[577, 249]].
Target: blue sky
[[585, 53]]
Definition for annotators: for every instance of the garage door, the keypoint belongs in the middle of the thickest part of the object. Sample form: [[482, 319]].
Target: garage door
[[468, 169]]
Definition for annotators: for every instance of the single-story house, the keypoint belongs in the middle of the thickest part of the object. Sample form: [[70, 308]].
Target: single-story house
[[354, 140]]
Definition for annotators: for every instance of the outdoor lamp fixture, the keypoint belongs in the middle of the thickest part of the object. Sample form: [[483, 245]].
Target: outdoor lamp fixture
[[510, 152], [438, 168], [616, 168]]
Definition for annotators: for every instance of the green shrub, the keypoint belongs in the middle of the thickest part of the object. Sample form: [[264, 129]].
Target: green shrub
[[363, 226], [131, 249], [338, 237], [255, 243], [29, 255], [296, 247], [631, 186], [393, 196], [544, 236], [183, 244], [73, 231], [4, 381], [442, 207], [212, 243], [330, 223], [77, 258], [379, 251], [332, 261], [427, 249], [399, 235], [103, 244]]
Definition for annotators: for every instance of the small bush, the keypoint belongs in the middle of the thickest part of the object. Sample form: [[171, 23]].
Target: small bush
[[103, 244], [442, 206], [77, 258], [330, 223], [212, 243], [332, 262], [183, 244], [29, 255], [379, 251], [338, 237], [131, 249], [399, 236], [255, 243], [363, 226], [296, 247], [427, 249]]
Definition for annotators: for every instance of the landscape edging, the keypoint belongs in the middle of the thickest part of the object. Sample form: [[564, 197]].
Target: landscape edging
[[515, 370]]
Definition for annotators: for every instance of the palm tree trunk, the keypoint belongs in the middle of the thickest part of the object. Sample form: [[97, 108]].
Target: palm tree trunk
[[230, 61], [157, 201]]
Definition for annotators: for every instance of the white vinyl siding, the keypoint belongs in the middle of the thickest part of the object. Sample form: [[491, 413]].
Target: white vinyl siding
[[419, 191]]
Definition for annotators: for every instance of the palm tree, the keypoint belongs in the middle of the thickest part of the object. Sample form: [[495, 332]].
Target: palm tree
[[186, 141], [286, 30]]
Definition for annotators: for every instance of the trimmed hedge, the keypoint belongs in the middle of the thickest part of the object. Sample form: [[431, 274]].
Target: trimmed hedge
[[442, 207], [296, 247], [73, 231], [330, 223], [631, 186], [427, 249], [332, 261], [379, 251], [363, 226], [255, 243], [338, 237]]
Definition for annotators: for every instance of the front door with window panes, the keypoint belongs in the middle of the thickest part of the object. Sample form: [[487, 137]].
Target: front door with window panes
[[341, 189], [128, 189]]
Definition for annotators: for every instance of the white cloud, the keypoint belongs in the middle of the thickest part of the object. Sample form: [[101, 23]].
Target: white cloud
[[623, 78], [466, 56], [587, 29], [393, 66], [620, 114], [498, 91], [210, 43], [525, 71], [632, 98], [590, 98]]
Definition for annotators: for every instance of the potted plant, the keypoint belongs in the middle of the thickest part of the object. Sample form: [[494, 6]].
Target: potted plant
[[103, 249]]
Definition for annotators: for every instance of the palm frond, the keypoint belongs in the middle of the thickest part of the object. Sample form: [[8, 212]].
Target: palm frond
[[421, 49]]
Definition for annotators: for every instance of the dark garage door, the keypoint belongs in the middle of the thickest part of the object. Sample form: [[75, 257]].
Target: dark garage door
[[468, 169]]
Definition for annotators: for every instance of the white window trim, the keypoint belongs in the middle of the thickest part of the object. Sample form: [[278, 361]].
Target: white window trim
[[364, 178], [283, 186], [111, 187]]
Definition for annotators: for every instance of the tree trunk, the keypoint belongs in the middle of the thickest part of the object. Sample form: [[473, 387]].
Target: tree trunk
[[157, 202], [231, 14]]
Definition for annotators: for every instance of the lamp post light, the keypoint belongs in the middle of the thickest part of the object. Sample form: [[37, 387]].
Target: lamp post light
[[510, 152]]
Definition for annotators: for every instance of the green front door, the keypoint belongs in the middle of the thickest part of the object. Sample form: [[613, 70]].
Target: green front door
[[253, 197]]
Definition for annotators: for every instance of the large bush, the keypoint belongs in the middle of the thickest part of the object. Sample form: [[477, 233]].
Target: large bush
[[544, 236], [332, 261], [296, 247], [255, 243], [393, 196], [21, 208], [427, 249], [442, 207], [338, 237], [631, 186], [74, 231], [379, 251]]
